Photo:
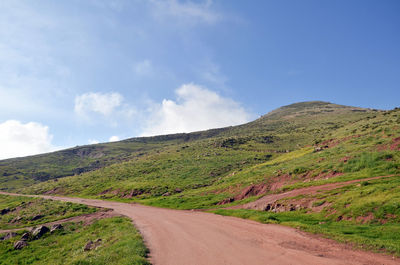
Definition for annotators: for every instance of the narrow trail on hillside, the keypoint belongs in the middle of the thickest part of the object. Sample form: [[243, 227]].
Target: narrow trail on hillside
[[177, 237], [85, 218], [262, 203]]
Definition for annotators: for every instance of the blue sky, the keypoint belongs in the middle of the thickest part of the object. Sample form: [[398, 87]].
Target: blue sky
[[79, 72]]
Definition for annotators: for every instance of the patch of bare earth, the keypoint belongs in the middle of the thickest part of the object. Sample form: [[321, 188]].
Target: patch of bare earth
[[127, 194], [253, 190], [265, 202], [334, 142], [394, 145], [86, 219], [54, 191], [273, 184], [366, 218]]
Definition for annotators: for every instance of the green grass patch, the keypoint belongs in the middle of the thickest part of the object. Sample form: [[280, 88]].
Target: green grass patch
[[22, 211], [121, 244]]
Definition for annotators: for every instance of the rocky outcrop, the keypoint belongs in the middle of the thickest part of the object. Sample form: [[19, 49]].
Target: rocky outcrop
[[56, 227], [26, 236], [39, 231], [278, 208], [5, 211], [37, 217], [20, 244]]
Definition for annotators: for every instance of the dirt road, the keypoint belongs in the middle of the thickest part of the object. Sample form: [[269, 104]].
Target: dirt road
[[195, 238]]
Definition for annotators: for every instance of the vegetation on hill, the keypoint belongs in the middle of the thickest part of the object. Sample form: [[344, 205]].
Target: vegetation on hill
[[297, 146], [21, 172], [78, 240], [119, 244], [18, 211]]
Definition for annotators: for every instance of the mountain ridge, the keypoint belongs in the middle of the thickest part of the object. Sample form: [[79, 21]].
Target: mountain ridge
[[86, 158]]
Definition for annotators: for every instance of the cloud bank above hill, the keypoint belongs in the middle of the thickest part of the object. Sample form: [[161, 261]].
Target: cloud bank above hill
[[23, 139], [195, 108]]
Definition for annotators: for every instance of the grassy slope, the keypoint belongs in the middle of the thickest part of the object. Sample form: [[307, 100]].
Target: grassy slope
[[207, 164], [121, 244], [27, 208], [21, 172], [199, 170]]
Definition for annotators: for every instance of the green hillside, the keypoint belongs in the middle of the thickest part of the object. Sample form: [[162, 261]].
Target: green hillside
[[289, 149], [22, 172]]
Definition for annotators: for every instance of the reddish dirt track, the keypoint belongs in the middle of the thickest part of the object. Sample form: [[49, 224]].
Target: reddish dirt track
[[85, 218], [195, 238], [261, 203]]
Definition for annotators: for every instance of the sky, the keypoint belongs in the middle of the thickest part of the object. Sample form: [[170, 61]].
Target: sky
[[78, 72]]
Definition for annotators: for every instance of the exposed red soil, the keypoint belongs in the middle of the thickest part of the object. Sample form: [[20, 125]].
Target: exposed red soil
[[274, 184], [390, 217], [317, 209], [331, 174], [177, 237], [54, 191], [231, 189], [105, 192], [395, 144], [132, 193], [121, 193], [334, 142], [252, 190], [365, 219], [345, 159], [303, 203], [281, 181], [263, 202], [20, 207], [257, 189], [86, 219]]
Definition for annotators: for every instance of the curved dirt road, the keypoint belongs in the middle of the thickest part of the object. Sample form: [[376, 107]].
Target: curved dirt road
[[177, 237]]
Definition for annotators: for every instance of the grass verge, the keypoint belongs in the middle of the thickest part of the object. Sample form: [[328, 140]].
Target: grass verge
[[121, 243], [19, 211]]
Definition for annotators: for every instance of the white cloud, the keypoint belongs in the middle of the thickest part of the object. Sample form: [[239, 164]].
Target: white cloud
[[187, 11], [196, 108], [143, 68], [113, 138], [104, 109], [93, 141], [102, 103], [19, 139]]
